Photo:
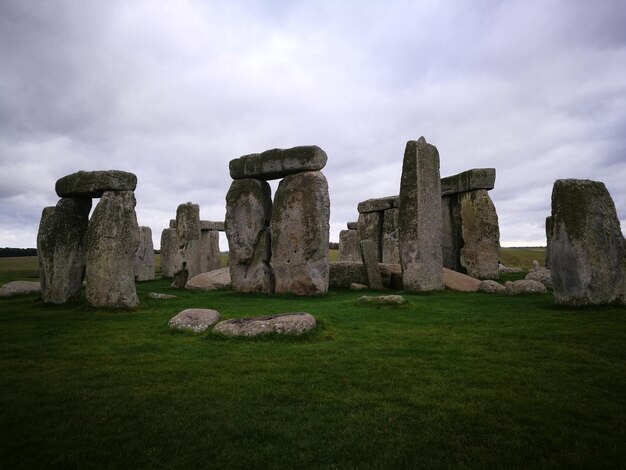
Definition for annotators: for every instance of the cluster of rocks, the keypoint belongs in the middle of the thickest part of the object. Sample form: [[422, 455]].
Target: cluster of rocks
[[279, 246], [101, 249], [189, 246]]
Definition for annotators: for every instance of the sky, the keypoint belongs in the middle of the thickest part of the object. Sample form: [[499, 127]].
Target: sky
[[174, 90]]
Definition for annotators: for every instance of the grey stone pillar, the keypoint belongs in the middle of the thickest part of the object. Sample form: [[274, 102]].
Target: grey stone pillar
[[144, 257], [348, 246]]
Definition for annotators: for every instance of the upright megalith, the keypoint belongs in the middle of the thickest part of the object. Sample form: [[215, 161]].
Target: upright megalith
[[61, 249], [348, 246], [248, 214], [278, 163], [419, 218], [390, 248], [144, 256], [210, 259], [170, 256], [585, 245], [300, 230], [188, 238], [111, 242]]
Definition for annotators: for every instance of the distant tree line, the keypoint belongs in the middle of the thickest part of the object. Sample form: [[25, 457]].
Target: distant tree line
[[13, 252]]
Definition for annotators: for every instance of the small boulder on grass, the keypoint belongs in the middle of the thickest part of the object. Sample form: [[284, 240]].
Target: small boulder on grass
[[382, 300], [542, 275], [491, 287], [159, 296], [459, 282], [19, 287], [212, 280], [194, 319], [525, 286], [285, 324]]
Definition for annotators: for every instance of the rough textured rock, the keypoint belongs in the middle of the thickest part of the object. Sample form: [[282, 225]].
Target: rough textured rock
[[452, 240], [210, 225], [370, 227], [170, 256], [194, 319], [278, 163], [459, 282], [111, 243], [391, 275], [355, 286], [213, 280], [586, 245], [470, 180], [390, 247], [144, 256], [19, 287], [91, 184], [286, 324], [525, 287], [491, 287], [369, 255], [61, 249], [481, 235], [349, 246], [159, 296], [543, 275], [248, 213], [419, 218], [300, 229], [379, 204], [342, 274], [180, 278], [189, 243], [352, 225], [536, 266], [509, 270], [382, 300], [210, 256]]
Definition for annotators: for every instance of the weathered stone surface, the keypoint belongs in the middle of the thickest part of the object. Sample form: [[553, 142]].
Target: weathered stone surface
[[509, 269], [159, 296], [453, 280], [548, 225], [144, 256], [210, 256], [536, 266], [194, 319], [61, 249], [286, 324], [349, 246], [370, 227], [378, 204], [419, 218], [391, 275], [586, 245], [344, 273], [481, 235], [188, 239], [213, 280], [90, 184], [470, 180], [180, 278], [278, 163], [171, 261], [300, 229], [111, 243], [452, 239], [524, 287], [210, 225], [248, 213], [352, 225], [491, 287], [543, 275], [355, 286], [382, 300], [390, 247], [369, 255], [19, 287]]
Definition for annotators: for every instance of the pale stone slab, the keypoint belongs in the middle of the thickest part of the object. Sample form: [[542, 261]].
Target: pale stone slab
[[213, 280], [470, 180], [211, 225], [144, 257], [342, 274], [491, 287], [94, 183], [300, 230], [382, 300], [248, 213], [370, 261], [543, 275], [459, 282], [61, 249], [278, 163], [19, 287], [171, 260], [159, 296], [210, 256], [378, 204], [525, 287], [349, 246], [586, 245], [285, 324], [111, 242], [370, 227], [194, 319], [419, 218]]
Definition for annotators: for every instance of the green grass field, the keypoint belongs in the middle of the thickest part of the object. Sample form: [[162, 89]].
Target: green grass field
[[451, 381]]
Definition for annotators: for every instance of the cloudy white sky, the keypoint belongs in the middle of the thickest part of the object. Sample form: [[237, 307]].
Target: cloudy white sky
[[173, 90]]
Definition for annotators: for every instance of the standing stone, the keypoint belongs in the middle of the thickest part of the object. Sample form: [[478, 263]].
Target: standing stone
[[300, 230], [170, 256], [481, 235], [370, 227], [369, 253], [209, 251], [390, 247], [419, 218], [248, 213], [112, 240], [144, 257], [452, 239], [548, 225], [61, 249], [348, 246], [586, 245], [188, 238]]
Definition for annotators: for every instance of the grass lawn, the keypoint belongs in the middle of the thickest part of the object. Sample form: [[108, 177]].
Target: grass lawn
[[452, 380]]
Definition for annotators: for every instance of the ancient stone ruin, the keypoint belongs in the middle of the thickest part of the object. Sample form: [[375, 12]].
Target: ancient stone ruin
[[279, 247], [71, 247], [585, 245], [190, 244], [144, 256]]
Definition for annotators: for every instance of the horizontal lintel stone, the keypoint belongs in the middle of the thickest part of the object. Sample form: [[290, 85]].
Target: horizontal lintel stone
[[379, 204], [352, 225], [277, 163], [470, 180], [205, 225], [95, 183]]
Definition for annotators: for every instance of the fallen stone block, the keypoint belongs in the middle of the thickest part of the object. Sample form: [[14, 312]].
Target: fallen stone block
[[194, 319], [19, 287], [212, 280], [524, 287], [285, 324], [460, 282]]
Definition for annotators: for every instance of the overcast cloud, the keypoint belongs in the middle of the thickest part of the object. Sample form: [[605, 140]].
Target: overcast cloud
[[173, 90]]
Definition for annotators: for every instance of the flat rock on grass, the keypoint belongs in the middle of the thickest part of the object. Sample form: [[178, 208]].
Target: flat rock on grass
[[158, 296], [382, 300], [491, 287], [460, 282], [194, 319], [19, 287], [213, 280], [525, 286], [286, 324]]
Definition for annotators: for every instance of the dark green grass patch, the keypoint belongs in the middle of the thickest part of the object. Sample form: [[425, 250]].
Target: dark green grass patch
[[451, 380]]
